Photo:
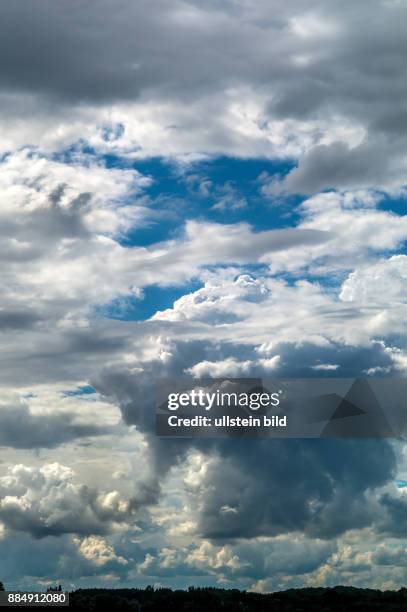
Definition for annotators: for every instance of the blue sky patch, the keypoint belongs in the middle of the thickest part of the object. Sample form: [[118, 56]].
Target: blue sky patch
[[131, 308]]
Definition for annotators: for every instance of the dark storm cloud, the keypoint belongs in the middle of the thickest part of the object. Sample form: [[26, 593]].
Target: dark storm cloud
[[261, 487], [317, 486], [392, 521], [134, 391]]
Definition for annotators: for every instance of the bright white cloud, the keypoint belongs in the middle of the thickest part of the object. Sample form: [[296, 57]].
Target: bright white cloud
[[293, 83], [96, 550], [382, 282], [47, 501]]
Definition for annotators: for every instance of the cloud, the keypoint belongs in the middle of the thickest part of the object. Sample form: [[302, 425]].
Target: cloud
[[46, 501], [381, 282], [307, 481], [67, 218], [48, 416], [305, 80], [81, 189], [253, 310], [219, 301], [232, 367], [277, 556], [239, 560], [66, 559], [391, 521], [19, 428], [88, 93], [96, 550], [374, 231], [386, 555], [338, 166], [57, 218], [325, 367]]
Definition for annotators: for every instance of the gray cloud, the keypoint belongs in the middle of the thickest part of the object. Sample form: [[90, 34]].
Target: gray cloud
[[337, 166], [19, 319], [323, 83], [304, 62], [392, 520], [19, 428], [64, 558], [137, 49], [320, 487]]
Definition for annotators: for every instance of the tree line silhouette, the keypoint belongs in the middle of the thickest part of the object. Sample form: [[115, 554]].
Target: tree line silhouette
[[208, 599], [338, 599]]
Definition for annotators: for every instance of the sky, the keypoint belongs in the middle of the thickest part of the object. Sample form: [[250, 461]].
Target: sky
[[205, 189]]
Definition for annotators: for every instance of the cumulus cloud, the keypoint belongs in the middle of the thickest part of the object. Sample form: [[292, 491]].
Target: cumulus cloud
[[381, 282], [216, 302], [47, 501], [96, 550], [309, 482], [306, 488], [61, 228], [266, 312], [88, 94], [232, 367], [56, 218], [262, 557]]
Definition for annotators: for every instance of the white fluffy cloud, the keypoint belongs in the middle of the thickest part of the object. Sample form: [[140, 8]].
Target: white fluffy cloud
[[357, 229], [382, 282], [47, 501], [232, 367], [96, 550], [324, 294], [253, 311]]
